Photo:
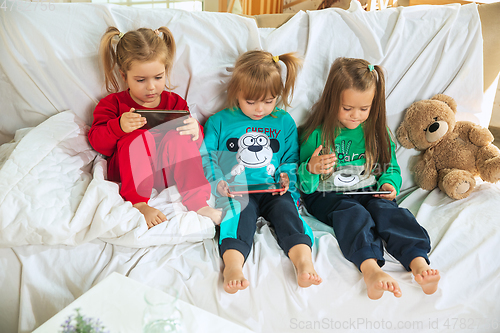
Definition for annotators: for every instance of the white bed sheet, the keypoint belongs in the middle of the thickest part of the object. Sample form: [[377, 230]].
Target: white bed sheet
[[466, 300]]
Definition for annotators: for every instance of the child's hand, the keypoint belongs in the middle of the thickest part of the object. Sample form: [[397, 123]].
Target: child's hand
[[191, 128], [130, 121], [223, 189], [387, 187], [284, 182], [321, 164]]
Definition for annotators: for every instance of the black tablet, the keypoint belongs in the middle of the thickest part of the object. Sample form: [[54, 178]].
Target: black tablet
[[171, 118], [256, 188], [366, 192]]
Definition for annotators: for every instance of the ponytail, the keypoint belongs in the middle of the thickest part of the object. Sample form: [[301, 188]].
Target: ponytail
[[169, 41], [107, 56], [293, 65]]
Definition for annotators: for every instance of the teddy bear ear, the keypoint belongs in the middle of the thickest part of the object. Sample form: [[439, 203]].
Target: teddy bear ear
[[402, 135], [448, 100]]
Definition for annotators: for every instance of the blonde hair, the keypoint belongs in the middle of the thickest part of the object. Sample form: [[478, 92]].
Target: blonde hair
[[141, 45], [360, 75], [257, 73]]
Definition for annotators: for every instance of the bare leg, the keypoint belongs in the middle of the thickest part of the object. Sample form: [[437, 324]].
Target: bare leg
[[300, 255], [152, 215], [425, 276], [234, 279], [214, 214], [377, 281]]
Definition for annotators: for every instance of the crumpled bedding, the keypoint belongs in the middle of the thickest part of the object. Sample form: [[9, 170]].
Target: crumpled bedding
[[54, 192]]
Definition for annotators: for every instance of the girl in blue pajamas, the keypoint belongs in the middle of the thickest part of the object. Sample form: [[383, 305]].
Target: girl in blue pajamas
[[253, 142]]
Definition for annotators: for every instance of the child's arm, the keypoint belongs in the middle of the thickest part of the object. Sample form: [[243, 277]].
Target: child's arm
[[308, 182], [392, 174], [289, 158], [106, 129], [210, 156]]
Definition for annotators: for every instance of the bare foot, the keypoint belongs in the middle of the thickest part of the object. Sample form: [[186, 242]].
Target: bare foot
[[377, 281], [425, 276], [152, 215], [307, 278], [234, 280], [300, 255], [214, 214]]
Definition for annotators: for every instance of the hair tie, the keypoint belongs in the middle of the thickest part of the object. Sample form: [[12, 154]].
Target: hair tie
[[157, 32], [371, 67], [120, 35], [276, 58]]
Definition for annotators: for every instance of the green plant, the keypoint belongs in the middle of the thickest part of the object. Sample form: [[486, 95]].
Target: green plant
[[78, 323]]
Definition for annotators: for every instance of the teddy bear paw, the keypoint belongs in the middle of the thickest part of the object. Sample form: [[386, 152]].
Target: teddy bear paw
[[462, 188], [458, 184], [490, 170]]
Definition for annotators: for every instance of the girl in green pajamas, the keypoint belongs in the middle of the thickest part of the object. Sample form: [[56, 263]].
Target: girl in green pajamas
[[346, 147]]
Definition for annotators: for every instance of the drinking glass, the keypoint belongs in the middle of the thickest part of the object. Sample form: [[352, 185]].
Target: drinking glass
[[161, 314]]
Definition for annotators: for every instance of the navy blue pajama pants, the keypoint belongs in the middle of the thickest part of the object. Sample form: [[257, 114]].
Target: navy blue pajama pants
[[238, 227], [362, 223]]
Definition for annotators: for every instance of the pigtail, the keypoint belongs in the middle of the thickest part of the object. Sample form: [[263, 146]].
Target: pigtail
[[168, 39], [107, 55], [293, 65], [377, 138]]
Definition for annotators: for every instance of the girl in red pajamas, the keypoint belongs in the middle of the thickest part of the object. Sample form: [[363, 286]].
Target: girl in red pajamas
[[143, 158]]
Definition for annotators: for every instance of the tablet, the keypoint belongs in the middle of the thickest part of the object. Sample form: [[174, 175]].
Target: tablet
[[256, 188], [174, 118], [366, 192]]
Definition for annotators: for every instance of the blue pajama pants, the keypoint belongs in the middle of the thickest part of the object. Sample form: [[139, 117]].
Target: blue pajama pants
[[362, 223], [238, 227]]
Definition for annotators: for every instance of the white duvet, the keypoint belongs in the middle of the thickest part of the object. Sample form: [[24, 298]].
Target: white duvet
[[53, 191]]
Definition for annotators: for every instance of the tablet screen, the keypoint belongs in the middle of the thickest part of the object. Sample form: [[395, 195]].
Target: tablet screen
[[366, 192], [255, 188], [171, 118]]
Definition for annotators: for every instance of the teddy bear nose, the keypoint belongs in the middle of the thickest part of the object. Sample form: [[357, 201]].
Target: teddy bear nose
[[434, 127], [255, 148]]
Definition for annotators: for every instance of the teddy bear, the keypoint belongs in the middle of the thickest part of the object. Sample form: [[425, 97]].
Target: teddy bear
[[453, 152]]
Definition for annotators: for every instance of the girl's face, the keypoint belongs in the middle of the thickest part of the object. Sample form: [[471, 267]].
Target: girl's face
[[355, 107], [256, 109], [146, 81]]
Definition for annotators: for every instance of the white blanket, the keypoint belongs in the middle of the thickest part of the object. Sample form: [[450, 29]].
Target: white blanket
[[53, 191]]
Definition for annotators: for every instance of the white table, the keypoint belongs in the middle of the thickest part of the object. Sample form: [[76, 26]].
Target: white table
[[119, 303]]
